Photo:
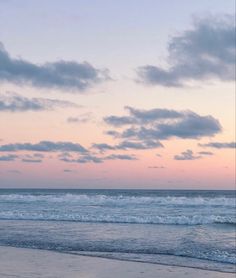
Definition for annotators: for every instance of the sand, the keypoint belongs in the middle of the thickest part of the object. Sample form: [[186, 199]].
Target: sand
[[28, 263]]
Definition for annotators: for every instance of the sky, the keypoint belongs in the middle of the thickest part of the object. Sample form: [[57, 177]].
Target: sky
[[117, 94]]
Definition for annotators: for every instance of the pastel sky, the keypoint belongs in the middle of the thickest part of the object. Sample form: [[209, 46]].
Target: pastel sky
[[117, 94]]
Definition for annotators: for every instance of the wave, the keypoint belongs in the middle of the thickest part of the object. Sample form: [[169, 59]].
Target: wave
[[126, 219], [120, 199]]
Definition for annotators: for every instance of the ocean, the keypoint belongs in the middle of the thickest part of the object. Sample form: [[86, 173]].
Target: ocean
[[188, 228]]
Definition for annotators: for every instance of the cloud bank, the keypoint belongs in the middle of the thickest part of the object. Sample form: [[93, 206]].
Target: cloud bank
[[207, 51], [149, 126], [65, 75], [44, 146]]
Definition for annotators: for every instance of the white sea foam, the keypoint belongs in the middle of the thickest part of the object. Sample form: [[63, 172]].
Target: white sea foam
[[109, 218], [121, 199]]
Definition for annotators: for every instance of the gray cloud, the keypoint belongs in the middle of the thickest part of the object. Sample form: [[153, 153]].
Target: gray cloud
[[220, 145], [129, 145], [206, 153], [138, 116], [44, 146], [181, 124], [83, 159], [69, 171], [28, 160], [60, 74], [147, 144], [32, 158], [156, 167], [13, 102], [9, 157], [39, 155], [120, 157], [207, 51], [187, 155], [103, 147], [81, 119], [96, 159]]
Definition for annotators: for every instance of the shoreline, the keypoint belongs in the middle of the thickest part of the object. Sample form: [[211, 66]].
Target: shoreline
[[144, 262], [32, 263]]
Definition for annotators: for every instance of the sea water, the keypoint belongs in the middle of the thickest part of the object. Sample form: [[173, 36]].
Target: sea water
[[174, 227]]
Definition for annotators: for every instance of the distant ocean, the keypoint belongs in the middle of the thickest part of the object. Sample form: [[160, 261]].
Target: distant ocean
[[176, 227]]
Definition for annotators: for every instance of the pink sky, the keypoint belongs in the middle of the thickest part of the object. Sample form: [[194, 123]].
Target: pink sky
[[165, 88]]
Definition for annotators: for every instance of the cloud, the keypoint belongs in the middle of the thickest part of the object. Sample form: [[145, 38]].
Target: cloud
[[95, 159], [220, 145], [69, 171], [28, 160], [103, 147], [81, 119], [147, 144], [60, 74], [9, 157], [120, 157], [180, 124], [187, 155], [138, 116], [156, 167], [207, 51], [39, 155], [44, 146], [206, 153], [129, 145], [83, 159], [12, 102]]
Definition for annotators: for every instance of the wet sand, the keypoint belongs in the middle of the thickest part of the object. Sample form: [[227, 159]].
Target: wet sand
[[28, 263]]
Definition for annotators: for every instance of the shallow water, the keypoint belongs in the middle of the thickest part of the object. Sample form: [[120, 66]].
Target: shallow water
[[188, 228]]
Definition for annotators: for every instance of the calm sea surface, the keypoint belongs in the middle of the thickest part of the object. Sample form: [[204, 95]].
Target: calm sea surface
[[186, 228]]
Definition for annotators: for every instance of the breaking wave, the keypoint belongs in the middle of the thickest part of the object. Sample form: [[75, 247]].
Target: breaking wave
[[120, 199]]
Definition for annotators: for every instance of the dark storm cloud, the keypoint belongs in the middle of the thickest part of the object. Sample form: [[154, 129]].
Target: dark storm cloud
[[187, 155], [207, 51], [60, 74], [12, 102], [220, 145], [181, 124], [44, 146]]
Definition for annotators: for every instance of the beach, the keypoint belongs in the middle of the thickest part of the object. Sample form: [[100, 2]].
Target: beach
[[29, 263], [191, 229]]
